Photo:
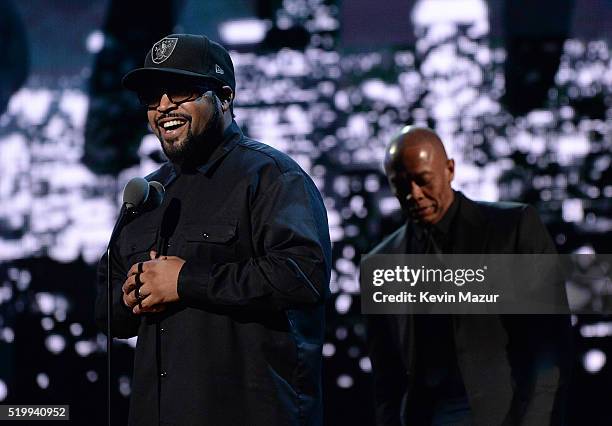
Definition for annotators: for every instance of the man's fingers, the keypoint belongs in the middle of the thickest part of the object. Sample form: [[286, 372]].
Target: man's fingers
[[137, 268], [130, 299], [133, 281], [144, 308], [126, 300], [148, 299], [133, 270], [126, 285], [145, 304], [129, 284], [131, 292]]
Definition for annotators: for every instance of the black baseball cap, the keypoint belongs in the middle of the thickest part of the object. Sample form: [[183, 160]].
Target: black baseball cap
[[191, 57]]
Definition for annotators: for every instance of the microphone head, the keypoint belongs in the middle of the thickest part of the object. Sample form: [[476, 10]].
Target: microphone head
[[135, 192], [156, 194]]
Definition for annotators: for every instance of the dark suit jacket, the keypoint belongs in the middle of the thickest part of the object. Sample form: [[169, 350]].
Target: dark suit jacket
[[515, 367]]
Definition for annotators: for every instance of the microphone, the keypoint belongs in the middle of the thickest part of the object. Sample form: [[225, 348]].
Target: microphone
[[140, 196], [158, 194]]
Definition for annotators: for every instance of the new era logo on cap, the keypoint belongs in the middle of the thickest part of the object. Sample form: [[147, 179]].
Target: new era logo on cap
[[218, 69], [163, 49]]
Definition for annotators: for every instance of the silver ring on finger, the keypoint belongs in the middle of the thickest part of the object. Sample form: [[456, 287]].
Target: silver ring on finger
[[137, 294]]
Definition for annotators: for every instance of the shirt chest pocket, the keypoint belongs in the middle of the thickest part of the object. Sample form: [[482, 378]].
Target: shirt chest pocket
[[136, 246], [214, 243]]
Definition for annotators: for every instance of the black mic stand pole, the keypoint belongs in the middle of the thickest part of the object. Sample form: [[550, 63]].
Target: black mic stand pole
[[136, 194], [123, 215]]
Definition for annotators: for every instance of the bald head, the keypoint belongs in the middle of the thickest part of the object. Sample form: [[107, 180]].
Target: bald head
[[411, 137], [420, 173]]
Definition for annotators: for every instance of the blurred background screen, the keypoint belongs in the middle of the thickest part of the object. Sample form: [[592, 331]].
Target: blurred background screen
[[519, 91]]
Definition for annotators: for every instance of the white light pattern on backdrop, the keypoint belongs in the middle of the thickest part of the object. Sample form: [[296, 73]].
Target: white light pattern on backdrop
[[594, 360], [244, 31]]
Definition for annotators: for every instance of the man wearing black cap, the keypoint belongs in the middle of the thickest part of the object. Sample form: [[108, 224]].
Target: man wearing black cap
[[224, 284]]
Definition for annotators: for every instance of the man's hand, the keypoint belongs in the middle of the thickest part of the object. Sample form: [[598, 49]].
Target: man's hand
[[156, 280]]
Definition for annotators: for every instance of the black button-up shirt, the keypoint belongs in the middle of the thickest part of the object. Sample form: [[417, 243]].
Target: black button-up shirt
[[242, 346], [435, 238], [437, 371]]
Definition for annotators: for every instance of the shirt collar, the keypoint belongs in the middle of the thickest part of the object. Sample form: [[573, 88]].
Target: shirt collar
[[231, 136], [443, 226]]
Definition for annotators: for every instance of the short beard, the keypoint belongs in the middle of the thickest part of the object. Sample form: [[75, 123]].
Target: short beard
[[195, 151]]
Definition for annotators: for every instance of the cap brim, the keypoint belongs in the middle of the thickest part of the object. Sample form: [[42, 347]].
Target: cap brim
[[147, 77]]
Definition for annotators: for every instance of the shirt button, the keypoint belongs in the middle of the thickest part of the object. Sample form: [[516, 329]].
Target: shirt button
[[163, 374], [162, 329], [205, 235]]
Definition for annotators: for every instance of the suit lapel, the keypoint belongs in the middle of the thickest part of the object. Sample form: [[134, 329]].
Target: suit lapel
[[471, 228], [480, 340], [398, 244], [404, 323]]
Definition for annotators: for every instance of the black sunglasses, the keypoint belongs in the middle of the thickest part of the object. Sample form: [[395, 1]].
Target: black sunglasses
[[151, 98]]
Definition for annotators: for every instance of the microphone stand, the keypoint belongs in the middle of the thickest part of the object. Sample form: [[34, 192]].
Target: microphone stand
[[123, 216], [136, 195]]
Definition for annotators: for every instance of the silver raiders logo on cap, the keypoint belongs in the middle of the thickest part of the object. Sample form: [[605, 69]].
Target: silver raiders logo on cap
[[163, 49]]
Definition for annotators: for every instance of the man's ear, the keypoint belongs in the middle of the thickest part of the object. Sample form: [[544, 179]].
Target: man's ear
[[227, 97], [450, 169]]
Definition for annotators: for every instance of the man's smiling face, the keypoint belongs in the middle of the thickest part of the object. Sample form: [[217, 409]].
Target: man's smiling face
[[184, 118]]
